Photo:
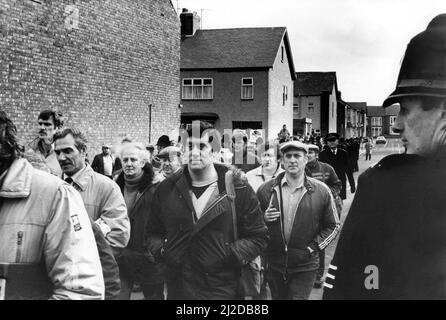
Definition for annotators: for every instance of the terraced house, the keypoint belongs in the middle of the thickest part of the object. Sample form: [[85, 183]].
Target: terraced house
[[236, 78]]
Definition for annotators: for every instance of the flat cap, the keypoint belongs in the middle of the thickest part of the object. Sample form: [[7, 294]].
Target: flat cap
[[168, 152], [294, 144]]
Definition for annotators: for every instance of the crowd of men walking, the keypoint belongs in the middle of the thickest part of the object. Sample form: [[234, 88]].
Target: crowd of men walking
[[182, 220], [162, 218]]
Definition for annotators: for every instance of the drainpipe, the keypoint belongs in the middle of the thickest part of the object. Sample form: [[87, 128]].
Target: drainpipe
[[150, 123]]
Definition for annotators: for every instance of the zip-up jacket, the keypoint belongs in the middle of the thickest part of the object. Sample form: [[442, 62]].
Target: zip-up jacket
[[316, 224], [202, 258], [42, 216]]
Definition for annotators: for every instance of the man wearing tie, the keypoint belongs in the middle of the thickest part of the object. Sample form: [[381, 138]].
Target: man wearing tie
[[338, 159]]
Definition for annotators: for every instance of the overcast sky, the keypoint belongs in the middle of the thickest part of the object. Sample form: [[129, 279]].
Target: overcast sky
[[362, 40]]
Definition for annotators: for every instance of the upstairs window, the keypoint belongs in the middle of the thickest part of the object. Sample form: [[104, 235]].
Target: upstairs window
[[392, 120], [310, 108], [197, 89], [376, 121], [247, 89], [282, 54]]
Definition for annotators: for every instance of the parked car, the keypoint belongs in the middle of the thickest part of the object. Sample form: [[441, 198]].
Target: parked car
[[380, 140]]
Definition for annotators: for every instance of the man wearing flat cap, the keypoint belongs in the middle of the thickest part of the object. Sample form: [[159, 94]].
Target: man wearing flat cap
[[302, 220], [392, 244], [338, 159], [104, 163], [170, 158]]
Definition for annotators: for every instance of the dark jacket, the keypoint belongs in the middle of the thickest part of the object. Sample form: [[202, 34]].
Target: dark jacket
[[110, 269], [246, 161], [397, 224], [98, 164], [134, 261], [341, 163], [202, 258], [325, 173], [316, 224]]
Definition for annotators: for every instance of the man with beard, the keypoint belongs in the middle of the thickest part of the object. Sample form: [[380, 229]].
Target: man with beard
[[42, 154], [47, 247]]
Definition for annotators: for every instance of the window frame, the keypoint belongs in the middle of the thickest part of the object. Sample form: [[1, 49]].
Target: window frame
[[247, 85], [193, 86], [374, 121]]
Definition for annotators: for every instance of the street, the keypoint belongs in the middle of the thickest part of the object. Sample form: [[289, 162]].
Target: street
[[378, 152]]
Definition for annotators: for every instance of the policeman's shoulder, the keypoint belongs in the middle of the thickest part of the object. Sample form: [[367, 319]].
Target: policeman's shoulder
[[396, 161]]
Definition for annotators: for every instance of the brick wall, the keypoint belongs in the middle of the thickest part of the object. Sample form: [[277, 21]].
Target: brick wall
[[227, 102], [101, 63]]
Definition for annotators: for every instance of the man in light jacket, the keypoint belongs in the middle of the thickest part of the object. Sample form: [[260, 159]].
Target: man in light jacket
[[102, 198], [43, 226]]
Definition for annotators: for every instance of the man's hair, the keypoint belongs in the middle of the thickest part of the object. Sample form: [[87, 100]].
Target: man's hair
[[80, 141], [202, 128], [142, 152], [57, 117], [8, 138], [269, 145]]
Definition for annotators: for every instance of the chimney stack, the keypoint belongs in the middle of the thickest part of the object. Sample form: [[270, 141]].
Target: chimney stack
[[190, 22]]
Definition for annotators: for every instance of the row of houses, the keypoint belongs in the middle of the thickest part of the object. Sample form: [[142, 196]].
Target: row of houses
[[245, 78], [135, 69]]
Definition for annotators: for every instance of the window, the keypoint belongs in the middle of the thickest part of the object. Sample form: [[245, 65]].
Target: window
[[247, 88], [284, 94], [310, 107], [332, 109], [392, 120], [197, 88], [282, 54], [296, 109], [376, 131], [376, 121]]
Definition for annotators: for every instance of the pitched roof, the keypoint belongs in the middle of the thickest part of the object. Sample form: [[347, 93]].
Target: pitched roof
[[234, 48], [376, 111], [381, 112], [313, 83], [360, 106]]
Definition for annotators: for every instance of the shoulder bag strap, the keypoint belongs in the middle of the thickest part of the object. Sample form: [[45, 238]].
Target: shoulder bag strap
[[230, 191]]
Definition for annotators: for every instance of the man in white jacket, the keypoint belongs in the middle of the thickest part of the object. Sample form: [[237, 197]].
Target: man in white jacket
[[43, 226]]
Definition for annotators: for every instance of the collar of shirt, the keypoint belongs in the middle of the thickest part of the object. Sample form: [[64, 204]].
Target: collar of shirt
[[334, 151], [74, 176], [285, 183]]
